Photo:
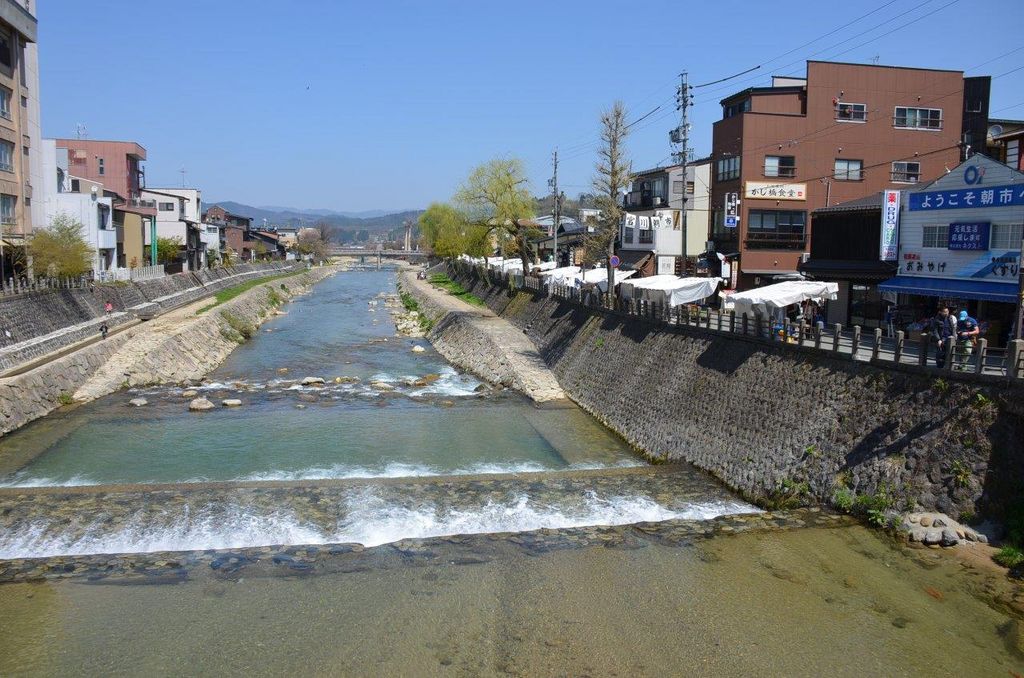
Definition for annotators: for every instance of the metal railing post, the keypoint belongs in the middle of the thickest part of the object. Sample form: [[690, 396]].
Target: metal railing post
[[924, 343]]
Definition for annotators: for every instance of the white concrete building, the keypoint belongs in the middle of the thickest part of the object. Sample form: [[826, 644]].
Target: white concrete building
[[55, 194], [179, 215]]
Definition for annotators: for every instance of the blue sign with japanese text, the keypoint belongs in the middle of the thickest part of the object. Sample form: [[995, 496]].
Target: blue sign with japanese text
[[973, 236], [966, 198]]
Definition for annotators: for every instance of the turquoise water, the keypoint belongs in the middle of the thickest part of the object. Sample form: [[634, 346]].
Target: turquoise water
[[285, 431]]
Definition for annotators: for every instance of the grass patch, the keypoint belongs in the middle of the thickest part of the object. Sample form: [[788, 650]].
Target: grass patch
[[455, 289], [239, 330], [232, 292], [65, 398], [1009, 556]]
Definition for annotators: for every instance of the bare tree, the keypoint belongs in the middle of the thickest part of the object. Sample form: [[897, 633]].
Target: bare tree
[[614, 173]]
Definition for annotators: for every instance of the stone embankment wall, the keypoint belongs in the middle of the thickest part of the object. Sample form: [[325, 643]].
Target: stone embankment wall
[[482, 343], [775, 421], [165, 350], [43, 321]]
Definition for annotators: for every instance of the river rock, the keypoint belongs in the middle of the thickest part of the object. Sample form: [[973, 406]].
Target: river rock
[[418, 349], [346, 380], [312, 381], [231, 402], [381, 386], [282, 370], [190, 393], [200, 405], [138, 402]]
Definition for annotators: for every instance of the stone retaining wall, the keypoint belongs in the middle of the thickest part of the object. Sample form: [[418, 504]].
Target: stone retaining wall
[[782, 423], [44, 321], [192, 348]]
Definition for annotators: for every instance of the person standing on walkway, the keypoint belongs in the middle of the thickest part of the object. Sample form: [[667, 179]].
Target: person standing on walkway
[[967, 331], [943, 331], [108, 307]]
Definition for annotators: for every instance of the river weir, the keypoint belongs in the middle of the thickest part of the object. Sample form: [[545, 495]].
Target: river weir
[[405, 518]]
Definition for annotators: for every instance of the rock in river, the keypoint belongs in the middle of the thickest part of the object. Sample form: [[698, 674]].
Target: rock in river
[[418, 349], [312, 381], [138, 402], [200, 405], [231, 402]]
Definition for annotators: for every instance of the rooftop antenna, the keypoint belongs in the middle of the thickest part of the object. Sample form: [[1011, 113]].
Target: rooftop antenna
[[182, 170], [81, 132], [875, 59]]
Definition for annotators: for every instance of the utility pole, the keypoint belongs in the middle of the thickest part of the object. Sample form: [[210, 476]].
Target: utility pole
[[556, 211], [681, 135]]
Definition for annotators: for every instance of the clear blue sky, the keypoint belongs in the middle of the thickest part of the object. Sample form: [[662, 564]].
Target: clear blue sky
[[388, 105]]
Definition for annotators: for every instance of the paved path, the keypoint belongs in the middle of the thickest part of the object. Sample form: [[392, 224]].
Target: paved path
[[508, 354]]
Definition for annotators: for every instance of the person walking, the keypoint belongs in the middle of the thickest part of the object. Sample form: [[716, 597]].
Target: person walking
[[108, 307], [967, 331], [943, 331]]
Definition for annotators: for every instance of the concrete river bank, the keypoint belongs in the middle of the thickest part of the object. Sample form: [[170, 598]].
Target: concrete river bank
[[404, 518]]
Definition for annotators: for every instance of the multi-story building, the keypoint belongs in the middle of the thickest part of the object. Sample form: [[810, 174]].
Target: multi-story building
[[60, 192], [179, 215], [118, 166], [235, 240], [653, 237], [19, 125], [842, 132], [1004, 142]]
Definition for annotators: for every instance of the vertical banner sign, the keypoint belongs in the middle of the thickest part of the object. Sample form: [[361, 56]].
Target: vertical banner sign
[[890, 226]]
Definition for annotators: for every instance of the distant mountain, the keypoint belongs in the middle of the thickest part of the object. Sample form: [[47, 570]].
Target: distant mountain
[[348, 228]]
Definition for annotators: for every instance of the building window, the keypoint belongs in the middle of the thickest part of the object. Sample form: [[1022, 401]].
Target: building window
[[5, 49], [776, 229], [6, 156], [918, 118], [646, 236], [935, 236], [689, 187], [1006, 236], [736, 108], [102, 167], [628, 237], [76, 186], [677, 187], [729, 168], [906, 172], [5, 103], [7, 203], [167, 207], [851, 112], [779, 166], [848, 170], [24, 102], [973, 106], [24, 150], [1013, 153]]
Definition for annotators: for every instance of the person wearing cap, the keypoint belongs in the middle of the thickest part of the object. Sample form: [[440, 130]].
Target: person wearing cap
[[967, 331]]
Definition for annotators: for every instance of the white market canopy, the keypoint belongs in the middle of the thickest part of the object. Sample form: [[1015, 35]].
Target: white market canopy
[[632, 288], [763, 300], [675, 291], [599, 276], [562, 276]]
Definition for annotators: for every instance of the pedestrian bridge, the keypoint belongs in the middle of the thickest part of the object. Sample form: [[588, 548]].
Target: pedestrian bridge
[[384, 254]]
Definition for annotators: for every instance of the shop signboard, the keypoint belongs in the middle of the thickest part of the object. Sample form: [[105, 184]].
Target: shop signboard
[[972, 236], [766, 190], [968, 198], [889, 246]]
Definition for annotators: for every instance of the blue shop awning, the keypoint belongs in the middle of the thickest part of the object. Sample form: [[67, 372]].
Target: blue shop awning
[[945, 287]]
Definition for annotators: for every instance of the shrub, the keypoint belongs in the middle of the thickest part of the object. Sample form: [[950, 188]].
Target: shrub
[[1009, 556], [65, 398], [961, 473], [843, 500], [240, 329]]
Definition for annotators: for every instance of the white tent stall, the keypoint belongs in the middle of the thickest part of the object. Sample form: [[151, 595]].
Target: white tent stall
[[599, 277], [680, 291], [632, 288], [561, 276], [766, 301]]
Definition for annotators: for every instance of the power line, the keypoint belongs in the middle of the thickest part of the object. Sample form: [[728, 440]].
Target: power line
[[898, 28]]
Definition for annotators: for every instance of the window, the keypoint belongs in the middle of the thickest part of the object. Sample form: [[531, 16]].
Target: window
[[677, 187], [24, 102], [1005, 237], [7, 203], [689, 188], [735, 109], [628, 237], [918, 118], [24, 151], [906, 172], [848, 170], [729, 168], [973, 106], [1013, 153], [5, 103], [102, 167], [6, 156], [779, 166], [5, 49], [75, 186], [776, 229], [659, 189], [646, 236], [167, 207], [936, 237], [851, 112]]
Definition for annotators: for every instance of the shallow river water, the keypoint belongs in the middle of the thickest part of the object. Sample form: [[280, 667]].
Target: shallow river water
[[395, 470]]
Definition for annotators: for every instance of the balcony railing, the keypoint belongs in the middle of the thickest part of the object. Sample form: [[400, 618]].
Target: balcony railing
[[787, 172], [906, 177], [139, 202], [776, 241]]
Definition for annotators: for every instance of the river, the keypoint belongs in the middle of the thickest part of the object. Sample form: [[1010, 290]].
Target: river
[[395, 468]]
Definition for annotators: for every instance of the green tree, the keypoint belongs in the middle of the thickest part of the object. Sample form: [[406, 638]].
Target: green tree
[[61, 249], [613, 177], [447, 232], [260, 248], [309, 243], [167, 250], [496, 198]]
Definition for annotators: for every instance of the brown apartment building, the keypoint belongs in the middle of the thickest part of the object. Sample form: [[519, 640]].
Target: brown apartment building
[[117, 165], [843, 132]]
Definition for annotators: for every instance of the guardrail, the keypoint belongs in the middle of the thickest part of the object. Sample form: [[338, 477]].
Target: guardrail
[[911, 349]]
